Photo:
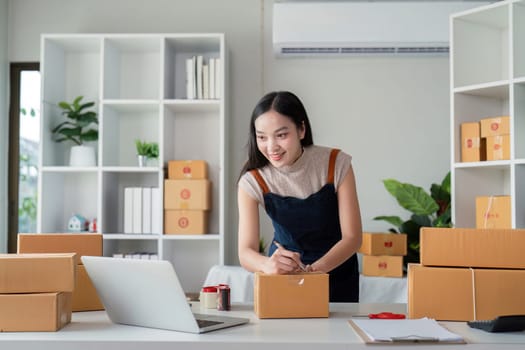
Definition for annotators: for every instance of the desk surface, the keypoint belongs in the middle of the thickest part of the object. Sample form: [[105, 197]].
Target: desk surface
[[93, 330]]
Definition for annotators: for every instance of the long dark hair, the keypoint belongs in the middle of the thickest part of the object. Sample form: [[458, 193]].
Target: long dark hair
[[285, 103]]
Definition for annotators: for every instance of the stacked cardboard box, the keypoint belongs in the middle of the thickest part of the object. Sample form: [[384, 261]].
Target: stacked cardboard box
[[467, 274], [36, 291], [383, 254], [85, 297], [187, 197], [488, 139]]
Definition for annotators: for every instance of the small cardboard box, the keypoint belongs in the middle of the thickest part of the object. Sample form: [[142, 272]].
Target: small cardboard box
[[85, 297], [41, 312], [37, 273], [470, 142], [495, 126], [185, 222], [80, 243], [187, 169], [468, 247], [498, 147], [493, 212], [384, 244], [463, 294], [187, 194], [303, 295], [383, 265]]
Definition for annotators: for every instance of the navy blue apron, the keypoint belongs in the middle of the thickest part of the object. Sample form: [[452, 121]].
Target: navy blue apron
[[311, 227]]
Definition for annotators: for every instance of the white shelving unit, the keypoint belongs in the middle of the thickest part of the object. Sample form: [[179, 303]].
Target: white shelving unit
[[138, 82], [488, 79]]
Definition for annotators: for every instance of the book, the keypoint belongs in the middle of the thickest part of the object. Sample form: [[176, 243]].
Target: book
[[137, 210], [218, 78], [211, 64], [146, 210], [190, 78], [156, 211], [198, 76], [205, 81], [128, 210]]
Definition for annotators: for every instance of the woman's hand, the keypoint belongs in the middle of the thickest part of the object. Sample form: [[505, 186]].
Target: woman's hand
[[283, 261]]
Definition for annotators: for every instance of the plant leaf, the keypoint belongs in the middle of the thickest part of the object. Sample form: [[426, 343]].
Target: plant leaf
[[416, 200], [393, 220], [421, 220], [392, 186]]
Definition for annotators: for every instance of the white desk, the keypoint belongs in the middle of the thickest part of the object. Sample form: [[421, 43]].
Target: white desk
[[93, 331], [371, 289]]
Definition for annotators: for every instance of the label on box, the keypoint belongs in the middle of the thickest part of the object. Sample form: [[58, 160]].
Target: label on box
[[187, 169], [493, 212]]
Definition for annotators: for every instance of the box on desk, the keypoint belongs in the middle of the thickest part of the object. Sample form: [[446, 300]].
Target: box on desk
[[85, 297], [384, 244], [187, 194], [493, 212], [383, 265], [469, 247], [187, 169], [302, 295], [80, 243], [40, 312], [185, 222], [463, 294], [37, 273]]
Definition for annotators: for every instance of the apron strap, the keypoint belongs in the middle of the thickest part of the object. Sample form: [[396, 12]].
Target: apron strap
[[260, 181], [331, 166]]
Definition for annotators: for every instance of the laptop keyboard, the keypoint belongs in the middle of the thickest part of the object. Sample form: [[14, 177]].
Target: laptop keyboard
[[207, 323]]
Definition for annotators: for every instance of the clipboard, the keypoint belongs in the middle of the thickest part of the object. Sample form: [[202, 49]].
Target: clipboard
[[413, 331]]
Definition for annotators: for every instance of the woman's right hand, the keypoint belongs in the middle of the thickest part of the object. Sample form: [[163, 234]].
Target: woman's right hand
[[283, 261]]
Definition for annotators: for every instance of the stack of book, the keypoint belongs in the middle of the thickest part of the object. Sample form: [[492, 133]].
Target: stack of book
[[203, 78], [142, 210], [383, 254]]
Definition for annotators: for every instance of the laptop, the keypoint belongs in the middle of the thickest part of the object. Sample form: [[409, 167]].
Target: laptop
[[148, 293]]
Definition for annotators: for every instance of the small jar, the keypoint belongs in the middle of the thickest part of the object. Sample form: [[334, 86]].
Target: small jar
[[223, 297], [208, 297]]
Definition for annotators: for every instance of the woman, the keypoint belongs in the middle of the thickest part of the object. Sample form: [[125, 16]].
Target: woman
[[309, 193]]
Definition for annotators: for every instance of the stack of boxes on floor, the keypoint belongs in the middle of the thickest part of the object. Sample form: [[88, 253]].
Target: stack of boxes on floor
[[467, 274], [186, 197], [35, 291], [488, 140], [383, 254], [84, 296]]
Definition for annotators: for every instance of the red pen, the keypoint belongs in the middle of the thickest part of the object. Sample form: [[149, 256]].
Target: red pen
[[386, 316]]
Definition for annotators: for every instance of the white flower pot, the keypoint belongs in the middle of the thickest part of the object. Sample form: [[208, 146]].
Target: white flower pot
[[82, 156]]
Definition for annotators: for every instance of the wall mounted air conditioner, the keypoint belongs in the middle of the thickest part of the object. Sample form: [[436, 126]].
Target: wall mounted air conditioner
[[332, 28]]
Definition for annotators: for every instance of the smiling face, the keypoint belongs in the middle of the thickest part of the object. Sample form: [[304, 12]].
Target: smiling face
[[278, 138]]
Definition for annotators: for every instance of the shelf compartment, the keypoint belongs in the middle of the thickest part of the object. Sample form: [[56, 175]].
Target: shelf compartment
[[127, 246], [180, 48], [122, 124], [519, 120], [132, 67], [480, 46], [519, 204], [475, 104], [114, 183], [190, 261], [518, 11], [470, 182], [64, 194]]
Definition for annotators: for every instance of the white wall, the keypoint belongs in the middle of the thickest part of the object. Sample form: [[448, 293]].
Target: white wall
[[390, 113], [4, 125]]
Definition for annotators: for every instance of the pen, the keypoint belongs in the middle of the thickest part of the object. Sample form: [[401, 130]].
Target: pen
[[301, 265]]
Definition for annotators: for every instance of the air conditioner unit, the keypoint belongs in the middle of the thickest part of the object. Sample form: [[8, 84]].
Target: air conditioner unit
[[334, 28]]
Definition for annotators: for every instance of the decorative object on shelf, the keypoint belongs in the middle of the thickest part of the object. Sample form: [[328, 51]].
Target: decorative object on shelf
[[146, 151], [77, 129], [428, 210], [93, 225], [77, 223]]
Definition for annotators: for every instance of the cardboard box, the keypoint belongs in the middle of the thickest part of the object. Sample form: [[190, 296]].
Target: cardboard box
[[187, 194], [468, 247], [185, 222], [80, 243], [187, 169], [37, 273], [291, 296], [463, 294], [383, 265], [85, 297], [498, 147], [41, 312], [384, 244], [470, 142], [495, 126], [493, 212]]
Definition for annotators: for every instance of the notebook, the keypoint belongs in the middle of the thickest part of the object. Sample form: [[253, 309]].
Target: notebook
[[148, 293]]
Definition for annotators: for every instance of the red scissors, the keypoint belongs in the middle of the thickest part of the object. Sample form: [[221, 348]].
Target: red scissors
[[386, 316]]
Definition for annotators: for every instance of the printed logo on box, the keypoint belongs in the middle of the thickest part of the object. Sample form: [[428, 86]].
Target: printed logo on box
[[185, 193], [389, 244], [382, 265], [186, 170], [469, 143], [184, 222], [494, 126]]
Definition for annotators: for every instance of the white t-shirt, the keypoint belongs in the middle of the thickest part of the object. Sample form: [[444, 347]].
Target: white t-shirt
[[301, 179]]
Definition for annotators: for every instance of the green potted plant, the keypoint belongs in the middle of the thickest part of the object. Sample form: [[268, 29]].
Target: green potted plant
[[146, 151], [428, 210], [79, 127]]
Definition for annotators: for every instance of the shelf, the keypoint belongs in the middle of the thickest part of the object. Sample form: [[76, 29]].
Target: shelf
[[119, 236], [498, 89], [494, 164], [192, 106], [206, 237]]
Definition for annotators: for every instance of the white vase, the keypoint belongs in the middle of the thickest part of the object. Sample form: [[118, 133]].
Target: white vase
[[82, 156]]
